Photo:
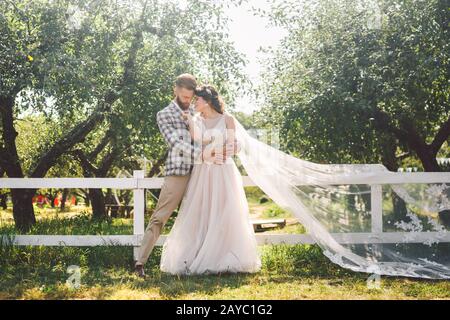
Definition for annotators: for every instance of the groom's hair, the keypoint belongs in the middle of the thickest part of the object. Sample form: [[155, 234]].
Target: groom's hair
[[187, 81]]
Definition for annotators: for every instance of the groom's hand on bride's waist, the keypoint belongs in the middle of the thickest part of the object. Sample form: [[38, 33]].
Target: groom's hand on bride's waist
[[230, 149]]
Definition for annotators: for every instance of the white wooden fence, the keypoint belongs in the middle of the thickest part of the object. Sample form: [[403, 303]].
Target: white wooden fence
[[138, 183]]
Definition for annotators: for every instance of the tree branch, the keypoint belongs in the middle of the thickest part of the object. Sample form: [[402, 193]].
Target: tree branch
[[76, 135], [414, 139], [88, 168], [109, 159], [403, 155], [103, 143], [442, 135], [383, 121]]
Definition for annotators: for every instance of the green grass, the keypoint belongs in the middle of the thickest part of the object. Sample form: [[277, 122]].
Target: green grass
[[288, 271]]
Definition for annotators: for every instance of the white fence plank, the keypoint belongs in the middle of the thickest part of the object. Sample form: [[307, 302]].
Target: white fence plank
[[73, 240], [138, 183], [263, 239], [135, 240], [139, 210], [24, 183], [345, 238], [391, 178], [376, 203]]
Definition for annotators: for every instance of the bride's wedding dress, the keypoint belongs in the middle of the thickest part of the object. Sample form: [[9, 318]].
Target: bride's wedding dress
[[212, 232]]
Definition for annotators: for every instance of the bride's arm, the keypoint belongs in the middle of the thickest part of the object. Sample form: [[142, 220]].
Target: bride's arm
[[231, 131], [231, 145]]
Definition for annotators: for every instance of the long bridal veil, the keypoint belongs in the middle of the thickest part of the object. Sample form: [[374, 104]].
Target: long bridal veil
[[335, 204]]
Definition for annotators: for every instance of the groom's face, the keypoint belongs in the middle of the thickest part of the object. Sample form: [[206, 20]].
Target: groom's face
[[184, 96]]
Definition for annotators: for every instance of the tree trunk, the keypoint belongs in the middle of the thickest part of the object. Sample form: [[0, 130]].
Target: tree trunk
[[3, 199], [85, 196], [408, 134], [399, 208], [23, 211], [65, 193], [428, 159], [3, 196], [82, 193], [98, 204], [51, 196], [89, 170]]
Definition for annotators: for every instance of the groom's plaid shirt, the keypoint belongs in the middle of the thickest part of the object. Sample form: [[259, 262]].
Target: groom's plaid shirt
[[182, 149]]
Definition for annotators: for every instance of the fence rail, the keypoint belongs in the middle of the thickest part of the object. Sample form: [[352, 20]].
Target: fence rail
[[138, 183]]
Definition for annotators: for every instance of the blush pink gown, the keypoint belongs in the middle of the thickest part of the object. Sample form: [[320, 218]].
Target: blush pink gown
[[212, 232]]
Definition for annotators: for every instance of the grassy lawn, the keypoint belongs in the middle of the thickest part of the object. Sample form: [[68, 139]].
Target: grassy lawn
[[288, 272]]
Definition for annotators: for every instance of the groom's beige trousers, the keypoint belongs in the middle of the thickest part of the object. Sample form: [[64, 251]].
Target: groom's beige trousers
[[171, 194]]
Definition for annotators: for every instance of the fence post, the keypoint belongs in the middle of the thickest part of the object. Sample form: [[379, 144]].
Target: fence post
[[376, 205], [139, 210]]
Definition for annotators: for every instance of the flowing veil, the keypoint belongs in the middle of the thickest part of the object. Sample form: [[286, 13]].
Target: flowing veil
[[334, 203]]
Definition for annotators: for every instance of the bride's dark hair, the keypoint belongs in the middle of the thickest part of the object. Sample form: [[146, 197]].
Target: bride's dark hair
[[210, 94]]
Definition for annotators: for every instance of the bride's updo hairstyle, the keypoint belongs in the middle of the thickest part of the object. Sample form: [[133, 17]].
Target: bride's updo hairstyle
[[209, 93]]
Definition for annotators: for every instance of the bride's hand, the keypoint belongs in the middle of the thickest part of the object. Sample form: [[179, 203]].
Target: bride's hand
[[208, 154], [219, 157]]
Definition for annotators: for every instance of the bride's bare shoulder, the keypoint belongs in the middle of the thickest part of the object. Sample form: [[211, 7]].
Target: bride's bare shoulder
[[229, 120]]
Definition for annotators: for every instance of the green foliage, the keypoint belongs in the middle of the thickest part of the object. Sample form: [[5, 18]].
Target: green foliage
[[62, 60], [344, 62]]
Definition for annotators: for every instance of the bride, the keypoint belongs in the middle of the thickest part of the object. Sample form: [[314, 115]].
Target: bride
[[212, 233]]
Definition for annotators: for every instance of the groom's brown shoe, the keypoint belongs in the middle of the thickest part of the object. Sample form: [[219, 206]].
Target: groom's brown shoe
[[139, 270]]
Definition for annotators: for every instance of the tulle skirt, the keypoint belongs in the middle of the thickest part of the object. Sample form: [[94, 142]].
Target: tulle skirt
[[212, 233]]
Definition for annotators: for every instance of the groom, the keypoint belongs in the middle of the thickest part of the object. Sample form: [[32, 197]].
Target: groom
[[183, 153]]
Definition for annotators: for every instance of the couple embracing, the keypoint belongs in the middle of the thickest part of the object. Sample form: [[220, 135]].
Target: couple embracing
[[212, 232]]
